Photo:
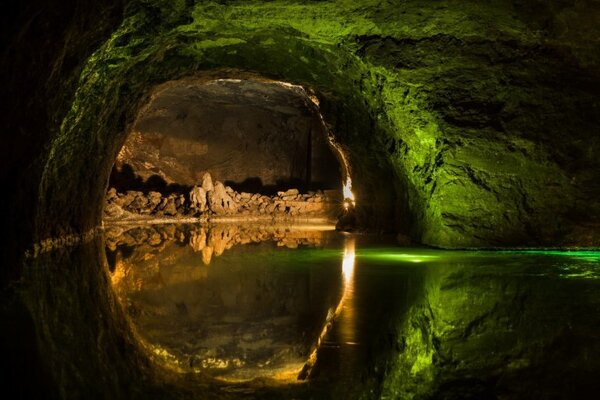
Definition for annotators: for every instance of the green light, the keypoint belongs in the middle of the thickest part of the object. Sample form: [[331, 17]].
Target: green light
[[587, 255], [392, 255]]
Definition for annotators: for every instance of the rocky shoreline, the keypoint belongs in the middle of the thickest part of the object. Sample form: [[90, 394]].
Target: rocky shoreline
[[215, 200]]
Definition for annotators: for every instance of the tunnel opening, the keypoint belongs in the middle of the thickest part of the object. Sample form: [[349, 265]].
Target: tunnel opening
[[251, 147]]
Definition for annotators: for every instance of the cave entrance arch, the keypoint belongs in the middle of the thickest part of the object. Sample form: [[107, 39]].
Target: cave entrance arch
[[81, 156], [256, 135]]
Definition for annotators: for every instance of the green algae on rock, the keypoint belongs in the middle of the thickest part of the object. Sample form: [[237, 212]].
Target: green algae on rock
[[465, 124]]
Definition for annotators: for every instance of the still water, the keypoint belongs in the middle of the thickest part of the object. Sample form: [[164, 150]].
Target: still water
[[321, 314]]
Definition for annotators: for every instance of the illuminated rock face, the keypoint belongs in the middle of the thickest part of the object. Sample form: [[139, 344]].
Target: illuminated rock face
[[251, 135], [464, 124]]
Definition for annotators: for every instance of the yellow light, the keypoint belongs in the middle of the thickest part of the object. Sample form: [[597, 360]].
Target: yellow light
[[348, 265], [347, 190], [348, 275]]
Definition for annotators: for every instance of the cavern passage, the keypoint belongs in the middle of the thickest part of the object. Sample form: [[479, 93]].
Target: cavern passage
[[463, 125], [263, 143], [252, 135]]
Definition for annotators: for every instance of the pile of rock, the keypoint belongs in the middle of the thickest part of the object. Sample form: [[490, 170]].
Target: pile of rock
[[215, 199]]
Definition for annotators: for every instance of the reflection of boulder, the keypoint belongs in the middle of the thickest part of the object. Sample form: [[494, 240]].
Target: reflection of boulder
[[209, 239], [207, 253], [198, 239], [222, 237]]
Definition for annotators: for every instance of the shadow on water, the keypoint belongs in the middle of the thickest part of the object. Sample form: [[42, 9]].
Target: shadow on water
[[372, 320]]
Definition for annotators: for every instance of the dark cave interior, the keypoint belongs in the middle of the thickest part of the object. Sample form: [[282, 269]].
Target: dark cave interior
[[467, 134]]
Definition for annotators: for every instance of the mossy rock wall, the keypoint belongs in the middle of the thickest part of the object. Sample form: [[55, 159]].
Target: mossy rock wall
[[466, 124]]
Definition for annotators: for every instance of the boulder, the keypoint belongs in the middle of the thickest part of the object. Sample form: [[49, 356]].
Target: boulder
[[219, 200], [140, 202], [198, 199], [111, 194], [291, 192], [126, 199], [154, 199], [113, 211], [170, 208], [207, 183]]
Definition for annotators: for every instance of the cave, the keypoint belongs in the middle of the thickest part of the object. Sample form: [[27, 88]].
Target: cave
[[301, 199], [255, 138]]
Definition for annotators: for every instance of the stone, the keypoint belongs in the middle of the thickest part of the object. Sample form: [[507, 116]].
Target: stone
[[113, 211], [180, 201], [154, 199], [139, 202], [163, 203], [126, 199], [170, 208], [219, 200], [291, 192], [111, 194], [207, 183], [198, 199]]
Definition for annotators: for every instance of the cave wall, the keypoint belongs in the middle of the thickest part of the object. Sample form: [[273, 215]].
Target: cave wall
[[467, 124], [252, 135]]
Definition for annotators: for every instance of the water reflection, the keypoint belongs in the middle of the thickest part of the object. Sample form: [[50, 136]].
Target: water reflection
[[254, 311], [210, 241], [356, 319], [343, 304]]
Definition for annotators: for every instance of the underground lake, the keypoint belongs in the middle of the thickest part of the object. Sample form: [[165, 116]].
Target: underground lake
[[304, 311]]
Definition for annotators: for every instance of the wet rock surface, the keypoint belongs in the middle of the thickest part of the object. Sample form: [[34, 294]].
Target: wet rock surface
[[216, 200]]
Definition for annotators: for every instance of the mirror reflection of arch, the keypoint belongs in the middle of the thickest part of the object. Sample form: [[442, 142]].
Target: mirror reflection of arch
[[237, 317]]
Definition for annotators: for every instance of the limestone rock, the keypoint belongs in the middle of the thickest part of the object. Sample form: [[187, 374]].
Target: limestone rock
[[170, 208], [113, 211], [198, 199], [111, 194], [219, 200], [154, 199], [207, 183]]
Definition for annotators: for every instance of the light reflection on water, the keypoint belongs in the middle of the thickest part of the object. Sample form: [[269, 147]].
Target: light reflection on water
[[246, 311], [289, 303]]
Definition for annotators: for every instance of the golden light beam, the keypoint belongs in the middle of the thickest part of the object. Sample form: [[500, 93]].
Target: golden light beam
[[348, 264]]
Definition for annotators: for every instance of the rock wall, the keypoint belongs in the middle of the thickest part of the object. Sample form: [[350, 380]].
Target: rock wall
[[253, 135], [465, 125]]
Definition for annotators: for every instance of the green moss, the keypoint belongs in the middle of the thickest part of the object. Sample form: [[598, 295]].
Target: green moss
[[444, 101]]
